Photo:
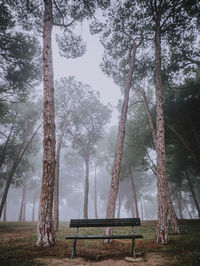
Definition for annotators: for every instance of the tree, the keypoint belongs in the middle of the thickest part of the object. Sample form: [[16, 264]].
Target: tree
[[26, 128], [85, 128], [166, 23], [121, 42], [68, 97], [20, 58], [181, 104], [45, 231], [63, 14]]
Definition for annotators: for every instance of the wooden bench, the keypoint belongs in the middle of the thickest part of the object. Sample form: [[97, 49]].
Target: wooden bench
[[104, 223]]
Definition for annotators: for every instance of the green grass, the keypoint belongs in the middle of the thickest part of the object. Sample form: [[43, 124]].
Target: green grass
[[17, 244]]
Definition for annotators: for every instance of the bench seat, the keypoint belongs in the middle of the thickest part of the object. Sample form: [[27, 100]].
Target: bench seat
[[115, 222], [105, 237]]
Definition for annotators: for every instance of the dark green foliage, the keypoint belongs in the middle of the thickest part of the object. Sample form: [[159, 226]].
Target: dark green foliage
[[19, 56], [182, 108]]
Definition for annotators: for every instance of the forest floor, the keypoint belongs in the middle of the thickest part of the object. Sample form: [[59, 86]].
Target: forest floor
[[17, 247]]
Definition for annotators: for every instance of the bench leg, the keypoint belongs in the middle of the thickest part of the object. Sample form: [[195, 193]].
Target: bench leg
[[133, 248], [74, 249]]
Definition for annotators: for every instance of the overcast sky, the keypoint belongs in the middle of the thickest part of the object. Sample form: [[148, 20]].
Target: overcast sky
[[86, 69]]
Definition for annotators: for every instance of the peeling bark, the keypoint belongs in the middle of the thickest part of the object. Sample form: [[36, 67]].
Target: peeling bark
[[172, 214], [163, 208], [45, 228]]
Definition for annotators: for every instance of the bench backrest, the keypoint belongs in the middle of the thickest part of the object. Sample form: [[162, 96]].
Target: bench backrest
[[105, 222]]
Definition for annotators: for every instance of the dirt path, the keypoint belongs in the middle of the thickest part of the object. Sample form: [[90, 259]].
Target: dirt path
[[147, 260]]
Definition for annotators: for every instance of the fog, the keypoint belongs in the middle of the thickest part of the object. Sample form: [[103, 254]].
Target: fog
[[87, 111]]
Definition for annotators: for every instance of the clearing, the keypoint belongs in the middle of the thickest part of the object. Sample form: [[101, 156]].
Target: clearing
[[17, 247]]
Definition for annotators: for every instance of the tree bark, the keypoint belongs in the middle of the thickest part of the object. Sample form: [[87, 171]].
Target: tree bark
[[45, 228], [119, 144], [86, 188], [172, 214], [134, 194], [163, 208], [56, 186], [193, 193], [95, 191]]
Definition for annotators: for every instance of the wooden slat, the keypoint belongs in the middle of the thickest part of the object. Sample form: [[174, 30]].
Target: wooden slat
[[105, 237], [105, 222]]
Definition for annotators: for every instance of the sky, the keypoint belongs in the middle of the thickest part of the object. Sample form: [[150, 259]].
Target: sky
[[86, 69]]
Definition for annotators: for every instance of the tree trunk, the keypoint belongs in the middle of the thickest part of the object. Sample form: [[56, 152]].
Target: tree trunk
[[142, 212], [23, 200], [133, 210], [95, 191], [179, 202], [5, 211], [56, 186], [33, 209], [189, 213], [45, 228], [119, 145], [134, 194], [86, 188], [120, 198], [172, 214], [163, 208], [24, 211], [193, 193]]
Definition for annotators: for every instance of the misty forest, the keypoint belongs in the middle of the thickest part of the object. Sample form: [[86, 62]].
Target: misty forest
[[67, 153]]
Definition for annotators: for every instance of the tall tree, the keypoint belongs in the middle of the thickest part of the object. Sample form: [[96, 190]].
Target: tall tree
[[63, 14], [85, 129], [165, 15], [120, 39], [45, 229]]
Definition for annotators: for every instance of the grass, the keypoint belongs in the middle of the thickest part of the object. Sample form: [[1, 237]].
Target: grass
[[17, 244]]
